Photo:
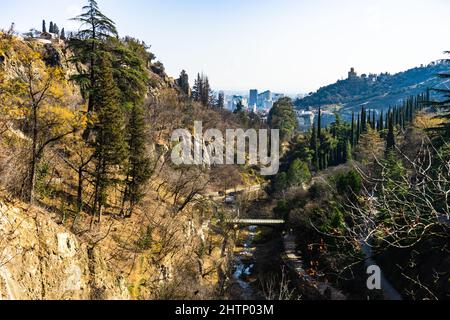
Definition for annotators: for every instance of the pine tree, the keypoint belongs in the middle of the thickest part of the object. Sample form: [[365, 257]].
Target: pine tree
[[201, 92], [197, 90], [298, 173], [206, 97], [110, 145], [138, 167], [88, 45], [239, 107], [221, 101], [443, 130]]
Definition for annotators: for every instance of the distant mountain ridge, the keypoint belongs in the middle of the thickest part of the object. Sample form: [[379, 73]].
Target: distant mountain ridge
[[377, 91]]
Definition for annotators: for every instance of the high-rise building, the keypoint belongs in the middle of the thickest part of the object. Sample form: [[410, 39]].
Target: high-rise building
[[234, 100], [253, 98], [265, 100], [277, 96], [266, 95]]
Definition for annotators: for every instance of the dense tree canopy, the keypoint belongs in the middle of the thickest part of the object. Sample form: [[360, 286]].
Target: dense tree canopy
[[283, 117]]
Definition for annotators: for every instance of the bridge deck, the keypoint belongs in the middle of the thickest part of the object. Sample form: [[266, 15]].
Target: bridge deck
[[257, 221]]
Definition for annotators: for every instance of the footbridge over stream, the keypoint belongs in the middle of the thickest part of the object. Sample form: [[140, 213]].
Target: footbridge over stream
[[256, 222]]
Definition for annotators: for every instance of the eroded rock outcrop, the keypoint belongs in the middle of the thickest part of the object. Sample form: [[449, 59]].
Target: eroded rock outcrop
[[40, 260]]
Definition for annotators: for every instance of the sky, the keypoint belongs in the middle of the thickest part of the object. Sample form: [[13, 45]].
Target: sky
[[289, 46]]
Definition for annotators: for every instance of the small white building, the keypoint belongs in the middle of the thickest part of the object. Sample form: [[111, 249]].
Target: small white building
[[48, 36]]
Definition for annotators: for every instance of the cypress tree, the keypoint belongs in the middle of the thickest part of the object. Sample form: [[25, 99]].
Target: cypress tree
[[321, 160], [363, 120], [183, 83], [315, 149], [348, 152], [403, 118], [381, 124], [358, 129], [397, 116], [44, 26], [55, 29], [374, 121], [319, 125], [63, 34], [390, 139], [412, 109], [394, 116], [352, 134], [50, 29], [325, 160]]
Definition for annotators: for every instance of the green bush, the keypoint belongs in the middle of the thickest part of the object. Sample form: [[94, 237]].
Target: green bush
[[145, 241], [298, 173], [348, 183]]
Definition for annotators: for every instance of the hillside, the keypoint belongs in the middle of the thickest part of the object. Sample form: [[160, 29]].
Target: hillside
[[168, 246], [41, 260], [377, 91]]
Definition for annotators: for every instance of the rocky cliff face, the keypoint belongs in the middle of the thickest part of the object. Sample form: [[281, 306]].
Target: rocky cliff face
[[40, 260]]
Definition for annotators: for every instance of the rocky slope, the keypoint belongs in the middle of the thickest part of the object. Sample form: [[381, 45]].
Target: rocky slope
[[41, 260]]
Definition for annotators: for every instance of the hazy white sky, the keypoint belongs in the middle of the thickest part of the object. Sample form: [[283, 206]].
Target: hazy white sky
[[282, 45]]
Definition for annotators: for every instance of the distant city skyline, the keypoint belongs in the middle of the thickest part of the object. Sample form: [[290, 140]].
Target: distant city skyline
[[287, 46]]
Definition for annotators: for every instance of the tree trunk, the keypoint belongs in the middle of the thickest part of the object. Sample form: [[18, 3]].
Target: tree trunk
[[96, 200], [79, 197], [34, 160]]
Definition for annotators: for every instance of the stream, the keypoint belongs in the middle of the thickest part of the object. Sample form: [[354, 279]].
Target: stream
[[244, 264], [255, 257]]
